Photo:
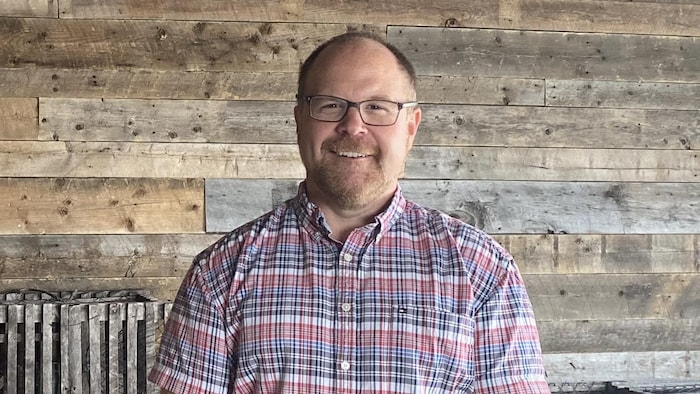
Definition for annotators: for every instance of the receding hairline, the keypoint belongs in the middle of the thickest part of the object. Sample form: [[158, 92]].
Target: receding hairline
[[347, 39]]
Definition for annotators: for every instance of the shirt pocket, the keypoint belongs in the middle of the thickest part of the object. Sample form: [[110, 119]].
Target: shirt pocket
[[435, 346]]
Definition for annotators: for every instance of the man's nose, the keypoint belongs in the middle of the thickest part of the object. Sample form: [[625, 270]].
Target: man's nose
[[352, 122]]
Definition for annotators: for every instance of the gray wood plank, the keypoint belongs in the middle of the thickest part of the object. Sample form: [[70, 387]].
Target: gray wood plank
[[213, 160], [500, 206], [115, 343], [585, 15], [443, 125], [619, 335], [96, 324], [105, 256], [162, 44], [539, 54], [621, 366], [165, 84], [615, 94], [32, 315], [50, 316]]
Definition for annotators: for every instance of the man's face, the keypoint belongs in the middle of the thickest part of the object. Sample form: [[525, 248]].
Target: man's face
[[348, 163]]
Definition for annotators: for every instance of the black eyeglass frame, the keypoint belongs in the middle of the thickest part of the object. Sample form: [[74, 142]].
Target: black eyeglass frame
[[399, 105]]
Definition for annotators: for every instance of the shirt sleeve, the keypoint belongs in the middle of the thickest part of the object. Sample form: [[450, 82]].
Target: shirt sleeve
[[507, 347], [193, 356]]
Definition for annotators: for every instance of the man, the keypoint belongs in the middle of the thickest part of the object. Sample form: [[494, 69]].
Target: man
[[348, 287]]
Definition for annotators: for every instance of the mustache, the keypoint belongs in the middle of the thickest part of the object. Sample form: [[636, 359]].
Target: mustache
[[346, 144]]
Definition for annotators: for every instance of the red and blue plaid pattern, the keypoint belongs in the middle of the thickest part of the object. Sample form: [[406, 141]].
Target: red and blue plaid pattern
[[416, 302]]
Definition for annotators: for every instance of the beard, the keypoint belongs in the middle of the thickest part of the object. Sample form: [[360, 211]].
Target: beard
[[351, 185]]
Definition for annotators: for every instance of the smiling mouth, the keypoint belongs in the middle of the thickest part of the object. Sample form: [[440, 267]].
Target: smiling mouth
[[352, 155]]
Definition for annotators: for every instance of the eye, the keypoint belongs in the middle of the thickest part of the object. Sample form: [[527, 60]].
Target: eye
[[327, 104], [378, 106]]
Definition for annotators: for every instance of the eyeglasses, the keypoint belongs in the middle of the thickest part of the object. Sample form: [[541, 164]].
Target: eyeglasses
[[372, 112]]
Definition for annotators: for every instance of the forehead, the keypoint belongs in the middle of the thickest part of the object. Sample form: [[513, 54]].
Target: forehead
[[358, 64]]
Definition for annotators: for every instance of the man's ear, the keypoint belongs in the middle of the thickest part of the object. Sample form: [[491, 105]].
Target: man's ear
[[297, 116], [413, 121]]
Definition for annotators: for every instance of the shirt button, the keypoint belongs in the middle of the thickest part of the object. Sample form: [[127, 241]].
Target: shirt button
[[346, 307], [345, 365], [347, 257]]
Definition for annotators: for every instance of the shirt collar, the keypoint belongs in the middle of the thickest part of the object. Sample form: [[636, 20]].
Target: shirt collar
[[311, 217]]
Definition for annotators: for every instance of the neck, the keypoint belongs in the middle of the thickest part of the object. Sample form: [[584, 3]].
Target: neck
[[343, 220]]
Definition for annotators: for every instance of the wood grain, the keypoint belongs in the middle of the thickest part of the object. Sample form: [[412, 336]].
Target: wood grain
[[668, 17], [162, 45], [549, 55], [161, 288], [95, 205], [443, 125], [607, 94], [19, 119], [614, 296], [621, 366], [599, 336], [504, 207], [214, 160]]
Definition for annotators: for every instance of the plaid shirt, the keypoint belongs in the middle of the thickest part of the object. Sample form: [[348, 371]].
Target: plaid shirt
[[415, 302]]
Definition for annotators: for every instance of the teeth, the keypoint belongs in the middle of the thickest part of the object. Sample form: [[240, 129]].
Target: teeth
[[351, 154]]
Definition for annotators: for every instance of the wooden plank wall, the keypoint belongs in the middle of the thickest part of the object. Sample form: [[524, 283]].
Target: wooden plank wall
[[134, 133]]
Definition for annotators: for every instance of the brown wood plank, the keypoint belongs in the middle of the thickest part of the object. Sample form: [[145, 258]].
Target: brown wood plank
[[168, 84], [29, 8], [162, 288], [160, 160], [444, 125], [162, 45], [19, 119], [619, 335], [607, 94], [94, 205], [614, 296], [549, 55], [673, 17], [210, 160], [621, 366], [504, 207], [100, 256], [603, 253]]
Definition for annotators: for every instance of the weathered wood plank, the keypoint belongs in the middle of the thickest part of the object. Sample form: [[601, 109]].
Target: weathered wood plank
[[603, 253], [132, 348], [500, 206], [596, 336], [223, 85], [50, 316], [13, 335], [32, 316], [29, 8], [94, 205], [96, 324], [577, 93], [162, 45], [609, 16], [162, 288], [210, 160], [116, 345], [585, 15], [100, 256], [550, 55], [218, 85], [622, 366], [169, 255], [443, 125], [19, 118], [552, 164], [614, 296]]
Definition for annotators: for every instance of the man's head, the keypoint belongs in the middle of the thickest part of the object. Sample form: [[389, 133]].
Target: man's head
[[351, 163]]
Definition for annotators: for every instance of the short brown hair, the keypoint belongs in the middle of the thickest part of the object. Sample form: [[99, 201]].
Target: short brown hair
[[403, 61]]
